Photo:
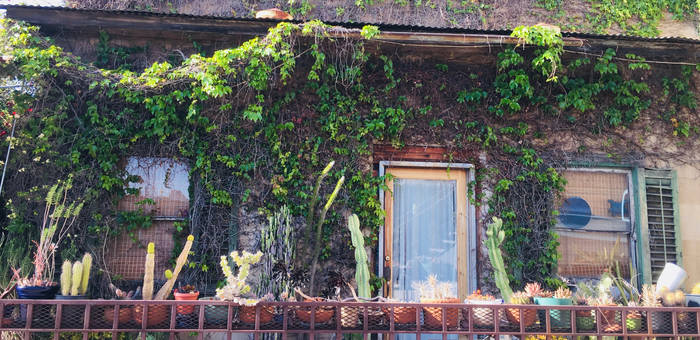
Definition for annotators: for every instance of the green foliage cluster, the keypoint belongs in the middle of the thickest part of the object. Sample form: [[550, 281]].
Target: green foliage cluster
[[637, 17], [255, 122]]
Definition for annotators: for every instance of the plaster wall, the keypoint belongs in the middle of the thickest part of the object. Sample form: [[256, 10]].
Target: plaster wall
[[689, 213]]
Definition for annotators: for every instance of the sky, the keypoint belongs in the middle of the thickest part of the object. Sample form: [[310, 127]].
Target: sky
[[33, 2]]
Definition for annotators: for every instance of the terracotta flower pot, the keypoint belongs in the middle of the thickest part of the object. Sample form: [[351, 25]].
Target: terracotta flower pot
[[482, 316], [433, 315], [185, 309], [247, 314], [323, 313], [125, 315], [609, 321], [528, 316], [157, 314], [402, 315], [349, 317]]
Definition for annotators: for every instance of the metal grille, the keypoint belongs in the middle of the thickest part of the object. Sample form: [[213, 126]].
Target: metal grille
[[660, 218]]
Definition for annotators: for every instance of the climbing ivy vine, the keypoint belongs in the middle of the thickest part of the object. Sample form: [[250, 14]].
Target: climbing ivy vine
[[257, 122]]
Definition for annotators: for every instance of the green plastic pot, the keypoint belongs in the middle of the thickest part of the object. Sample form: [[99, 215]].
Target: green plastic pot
[[585, 323], [634, 324], [559, 318]]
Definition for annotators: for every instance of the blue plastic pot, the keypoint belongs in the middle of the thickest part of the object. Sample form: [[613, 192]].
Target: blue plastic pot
[[37, 292]]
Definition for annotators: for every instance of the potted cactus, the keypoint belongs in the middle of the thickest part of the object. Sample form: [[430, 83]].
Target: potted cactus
[[158, 314], [434, 291], [585, 319], [516, 315], [59, 217], [236, 288], [74, 283], [125, 313]]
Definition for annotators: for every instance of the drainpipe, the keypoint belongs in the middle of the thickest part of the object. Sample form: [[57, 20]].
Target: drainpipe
[[7, 156]]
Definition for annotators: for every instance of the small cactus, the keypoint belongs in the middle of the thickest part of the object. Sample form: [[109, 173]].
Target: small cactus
[[66, 277], [76, 278], [494, 238], [87, 265], [361, 268], [148, 271], [520, 298]]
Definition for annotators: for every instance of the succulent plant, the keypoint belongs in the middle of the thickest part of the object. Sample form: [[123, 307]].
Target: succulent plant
[[520, 298], [649, 296], [434, 289], [186, 289], [533, 289], [673, 299], [477, 296], [562, 293]]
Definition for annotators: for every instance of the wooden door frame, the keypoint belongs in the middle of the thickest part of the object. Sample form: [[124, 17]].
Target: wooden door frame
[[470, 210]]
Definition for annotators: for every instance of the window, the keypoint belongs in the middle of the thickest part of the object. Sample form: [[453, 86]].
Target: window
[[595, 223], [661, 219], [165, 182]]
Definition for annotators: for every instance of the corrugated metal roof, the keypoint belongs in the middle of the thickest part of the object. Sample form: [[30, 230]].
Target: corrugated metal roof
[[382, 26]]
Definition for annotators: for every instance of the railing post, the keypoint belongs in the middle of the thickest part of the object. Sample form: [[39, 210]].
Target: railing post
[[86, 320], [229, 323], [172, 323], [285, 321], [144, 320], [200, 322], [256, 335]]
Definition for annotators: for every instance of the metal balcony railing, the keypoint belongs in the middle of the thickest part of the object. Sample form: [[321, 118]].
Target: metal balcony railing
[[28, 317]]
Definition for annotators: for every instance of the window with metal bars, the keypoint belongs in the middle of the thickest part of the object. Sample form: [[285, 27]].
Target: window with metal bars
[[661, 218]]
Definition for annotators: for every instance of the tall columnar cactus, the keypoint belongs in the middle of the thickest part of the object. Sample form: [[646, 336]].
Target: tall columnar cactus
[[361, 267], [164, 291], [319, 225], [150, 264], [87, 265], [494, 238], [66, 277], [76, 278]]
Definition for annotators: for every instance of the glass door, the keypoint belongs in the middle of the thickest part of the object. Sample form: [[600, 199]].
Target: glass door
[[426, 229]]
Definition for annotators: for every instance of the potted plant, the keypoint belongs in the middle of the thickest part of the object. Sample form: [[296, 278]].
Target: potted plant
[[561, 297], [323, 314], [236, 288], [434, 291], [74, 282], [659, 320], [125, 313], [481, 316], [158, 314], [585, 319], [185, 293], [516, 315], [685, 320], [59, 217]]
